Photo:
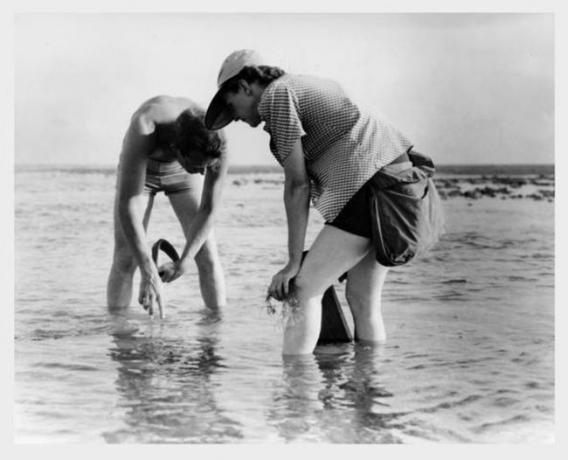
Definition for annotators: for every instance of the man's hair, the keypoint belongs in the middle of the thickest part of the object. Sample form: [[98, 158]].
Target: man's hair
[[191, 135], [262, 74]]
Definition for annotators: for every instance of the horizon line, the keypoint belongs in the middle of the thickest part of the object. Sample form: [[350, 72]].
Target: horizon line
[[257, 165]]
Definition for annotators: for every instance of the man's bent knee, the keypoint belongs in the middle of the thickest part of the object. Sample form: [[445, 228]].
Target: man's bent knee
[[123, 264], [207, 257]]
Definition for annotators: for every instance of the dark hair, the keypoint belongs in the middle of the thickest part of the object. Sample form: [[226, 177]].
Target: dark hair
[[263, 74], [191, 135]]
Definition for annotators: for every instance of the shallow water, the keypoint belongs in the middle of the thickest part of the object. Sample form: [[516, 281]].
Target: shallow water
[[470, 355]]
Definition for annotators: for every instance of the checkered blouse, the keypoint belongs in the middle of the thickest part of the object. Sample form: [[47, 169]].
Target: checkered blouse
[[343, 145]]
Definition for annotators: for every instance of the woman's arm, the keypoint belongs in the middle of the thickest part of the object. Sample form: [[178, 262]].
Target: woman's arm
[[296, 202]]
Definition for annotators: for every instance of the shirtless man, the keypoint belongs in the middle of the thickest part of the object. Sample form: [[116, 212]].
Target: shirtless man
[[167, 148]]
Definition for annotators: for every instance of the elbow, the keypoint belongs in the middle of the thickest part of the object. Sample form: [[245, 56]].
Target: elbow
[[297, 185], [206, 208], [296, 192], [124, 209], [123, 215]]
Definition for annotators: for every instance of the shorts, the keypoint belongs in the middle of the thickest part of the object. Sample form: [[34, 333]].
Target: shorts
[[355, 217], [169, 177]]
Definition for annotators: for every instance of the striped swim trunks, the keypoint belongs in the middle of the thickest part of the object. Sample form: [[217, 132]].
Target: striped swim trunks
[[169, 177]]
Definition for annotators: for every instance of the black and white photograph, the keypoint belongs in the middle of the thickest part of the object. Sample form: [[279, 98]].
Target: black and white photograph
[[284, 228]]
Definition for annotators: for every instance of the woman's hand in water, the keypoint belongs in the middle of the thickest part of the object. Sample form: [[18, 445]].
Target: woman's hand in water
[[171, 271], [150, 294], [281, 286]]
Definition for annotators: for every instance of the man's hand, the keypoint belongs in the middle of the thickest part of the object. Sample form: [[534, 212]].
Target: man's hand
[[280, 286], [171, 271], [151, 292]]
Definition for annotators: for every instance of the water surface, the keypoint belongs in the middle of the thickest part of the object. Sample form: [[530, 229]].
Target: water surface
[[470, 356]]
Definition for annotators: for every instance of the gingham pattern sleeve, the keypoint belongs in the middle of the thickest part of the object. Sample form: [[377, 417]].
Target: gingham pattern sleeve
[[285, 127], [344, 145]]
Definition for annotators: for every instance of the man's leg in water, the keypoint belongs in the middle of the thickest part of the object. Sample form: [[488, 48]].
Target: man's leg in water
[[119, 285], [211, 277]]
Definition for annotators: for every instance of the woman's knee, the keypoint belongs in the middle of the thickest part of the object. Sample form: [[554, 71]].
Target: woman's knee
[[357, 301], [363, 303], [353, 299], [304, 287]]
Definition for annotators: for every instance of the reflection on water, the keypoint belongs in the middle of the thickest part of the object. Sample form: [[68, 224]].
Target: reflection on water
[[335, 395], [168, 390], [167, 387]]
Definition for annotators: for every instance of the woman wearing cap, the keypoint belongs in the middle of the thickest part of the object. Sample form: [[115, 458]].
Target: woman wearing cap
[[329, 149]]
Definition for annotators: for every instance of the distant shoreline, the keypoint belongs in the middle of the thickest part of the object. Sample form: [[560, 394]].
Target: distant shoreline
[[472, 169]]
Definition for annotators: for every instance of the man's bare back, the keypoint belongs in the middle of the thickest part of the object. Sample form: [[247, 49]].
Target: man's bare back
[[158, 116]]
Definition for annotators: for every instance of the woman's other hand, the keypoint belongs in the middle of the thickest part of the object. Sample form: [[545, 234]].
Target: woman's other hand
[[280, 286]]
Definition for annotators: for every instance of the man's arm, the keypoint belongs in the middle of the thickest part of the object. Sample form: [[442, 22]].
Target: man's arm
[[202, 223], [136, 146], [138, 143]]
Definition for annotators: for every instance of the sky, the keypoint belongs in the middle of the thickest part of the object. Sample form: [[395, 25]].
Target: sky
[[466, 88]]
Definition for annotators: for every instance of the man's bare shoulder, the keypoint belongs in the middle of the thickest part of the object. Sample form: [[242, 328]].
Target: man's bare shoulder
[[165, 109]]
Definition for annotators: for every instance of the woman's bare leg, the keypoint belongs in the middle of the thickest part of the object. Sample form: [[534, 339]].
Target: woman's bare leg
[[364, 290], [333, 253]]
